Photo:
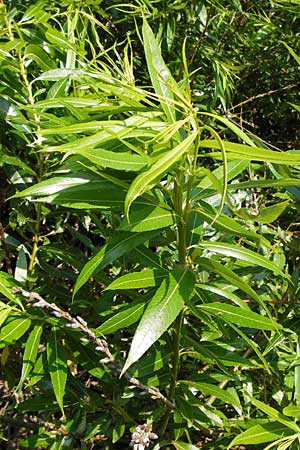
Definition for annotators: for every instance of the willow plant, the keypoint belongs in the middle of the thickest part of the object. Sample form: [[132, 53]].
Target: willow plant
[[148, 171]]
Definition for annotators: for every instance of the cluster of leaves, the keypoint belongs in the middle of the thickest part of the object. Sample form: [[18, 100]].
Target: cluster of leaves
[[149, 245]]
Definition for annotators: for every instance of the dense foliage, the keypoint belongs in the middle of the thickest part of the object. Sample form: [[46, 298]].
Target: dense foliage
[[149, 224]]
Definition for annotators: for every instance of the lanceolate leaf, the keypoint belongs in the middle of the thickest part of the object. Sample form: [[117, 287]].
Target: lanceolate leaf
[[115, 160], [161, 78], [259, 434], [211, 389], [161, 312], [241, 253], [30, 353], [160, 167], [228, 275], [118, 246], [7, 286], [122, 319], [138, 280], [184, 446], [14, 330], [242, 317], [227, 224], [273, 414], [240, 151], [148, 218], [57, 363]]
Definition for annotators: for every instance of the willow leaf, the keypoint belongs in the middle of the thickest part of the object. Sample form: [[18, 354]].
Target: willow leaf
[[162, 310], [148, 178]]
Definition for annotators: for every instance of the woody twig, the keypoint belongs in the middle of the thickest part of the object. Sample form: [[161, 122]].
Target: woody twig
[[100, 344]]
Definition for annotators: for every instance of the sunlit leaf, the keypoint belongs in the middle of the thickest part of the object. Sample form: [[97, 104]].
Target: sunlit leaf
[[161, 312]]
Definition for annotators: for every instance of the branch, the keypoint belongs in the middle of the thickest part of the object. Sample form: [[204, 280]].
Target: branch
[[100, 344]]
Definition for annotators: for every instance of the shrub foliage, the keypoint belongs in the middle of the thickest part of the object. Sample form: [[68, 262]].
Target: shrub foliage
[[149, 224]]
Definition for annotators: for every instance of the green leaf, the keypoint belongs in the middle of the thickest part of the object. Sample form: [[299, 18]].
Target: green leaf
[[131, 127], [225, 223], [148, 218], [122, 319], [184, 446], [30, 354], [258, 434], [239, 316], [151, 177], [137, 280], [229, 275], [292, 411], [5, 310], [241, 253], [162, 310], [118, 246], [240, 151], [275, 415], [7, 286], [57, 363], [21, 266], [162, 80], [115, 160], [216, 391], [14, 330], [266, 215]]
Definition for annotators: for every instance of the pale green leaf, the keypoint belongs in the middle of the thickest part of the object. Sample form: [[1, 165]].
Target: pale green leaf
[[122, 319], [162, 80], [30, 354], [160, 313], [5, 310], [239, 316], [241, 253], [57, 363], [259, 434], [275, 415], [118, 246], [137, 280], [115, 160], [179, 445], [148, 218], [228, 275], [240, 151], [161, 166], [266, 215], [292, 411], [210, 389], [14, 330]]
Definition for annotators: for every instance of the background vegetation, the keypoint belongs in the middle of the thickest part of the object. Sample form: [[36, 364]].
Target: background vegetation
[[149, 224]]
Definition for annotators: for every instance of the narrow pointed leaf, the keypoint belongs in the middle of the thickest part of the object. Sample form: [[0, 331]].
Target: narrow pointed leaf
[[230, 276], [267, 214], [115, 160], [161, 312], [216, 391], [272, 413], [160, 75], [13, 331], [57, 363], [240, 151], [184, 446], [122, 319], [137, 280], [239, 316], [118, 246], [160, 167], [243, 254], [30, 354], [258, 434], [225, 223], [148, 218]]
